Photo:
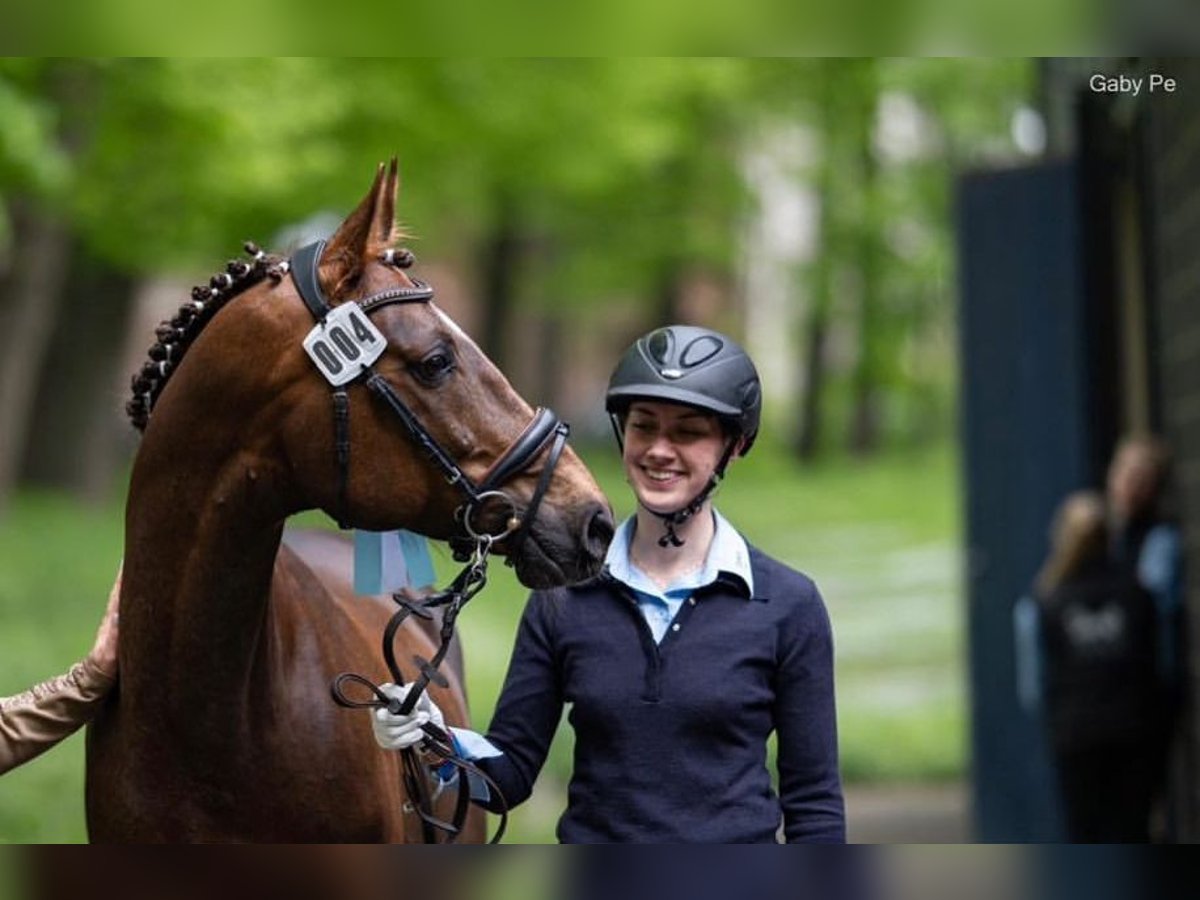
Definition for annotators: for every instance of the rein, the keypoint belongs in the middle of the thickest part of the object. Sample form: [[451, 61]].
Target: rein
[[437, 742], [347, 357]]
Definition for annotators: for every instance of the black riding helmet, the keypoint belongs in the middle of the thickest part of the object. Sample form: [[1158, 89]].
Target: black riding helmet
[[697, 367]]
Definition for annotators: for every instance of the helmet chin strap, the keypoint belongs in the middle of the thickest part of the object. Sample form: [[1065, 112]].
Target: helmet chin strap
[[673, 519]]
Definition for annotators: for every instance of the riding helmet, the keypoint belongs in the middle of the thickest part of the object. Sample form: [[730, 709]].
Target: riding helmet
[[694, 366]]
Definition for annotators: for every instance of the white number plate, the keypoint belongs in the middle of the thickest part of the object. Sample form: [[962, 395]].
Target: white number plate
[[344, 343]]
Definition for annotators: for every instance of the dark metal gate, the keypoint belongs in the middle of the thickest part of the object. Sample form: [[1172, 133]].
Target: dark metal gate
[[1028, 438]]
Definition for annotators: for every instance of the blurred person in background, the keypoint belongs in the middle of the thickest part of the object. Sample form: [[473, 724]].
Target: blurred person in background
[[1146, 542], [34, 721], [684, 655], [1099, 689]]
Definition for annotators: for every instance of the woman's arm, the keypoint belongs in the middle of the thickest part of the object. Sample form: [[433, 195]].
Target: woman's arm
[[810, 786], [36, 720], [530, 704]]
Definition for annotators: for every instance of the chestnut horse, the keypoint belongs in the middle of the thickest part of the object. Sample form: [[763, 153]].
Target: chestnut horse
[[222, 727]]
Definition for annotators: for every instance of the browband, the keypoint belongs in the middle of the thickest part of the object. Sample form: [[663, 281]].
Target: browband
[[305, 272]]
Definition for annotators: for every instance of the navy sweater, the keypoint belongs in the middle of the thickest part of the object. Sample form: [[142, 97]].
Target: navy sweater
[[670, 738]]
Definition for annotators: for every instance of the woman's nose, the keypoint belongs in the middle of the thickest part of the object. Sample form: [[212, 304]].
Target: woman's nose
[[660, 447]]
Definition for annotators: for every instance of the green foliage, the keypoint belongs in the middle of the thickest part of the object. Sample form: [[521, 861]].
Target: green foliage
[[176, 154], [616, 178], [30, 159], [892, 135], [28, 153], [57, 563]]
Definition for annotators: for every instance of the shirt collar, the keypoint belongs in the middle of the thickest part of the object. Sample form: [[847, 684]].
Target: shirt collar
[[728, 556]]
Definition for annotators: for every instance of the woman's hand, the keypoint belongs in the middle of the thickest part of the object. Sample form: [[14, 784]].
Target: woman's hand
[[398, 732], [104, 651]]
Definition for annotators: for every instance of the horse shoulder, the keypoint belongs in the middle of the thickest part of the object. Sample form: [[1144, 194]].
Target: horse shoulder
[[318, 567]]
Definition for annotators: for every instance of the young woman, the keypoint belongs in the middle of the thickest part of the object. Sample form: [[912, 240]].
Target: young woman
[[39, 718], [1103, 699], [685, 654]]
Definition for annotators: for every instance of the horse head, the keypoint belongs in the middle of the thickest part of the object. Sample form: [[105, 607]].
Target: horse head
[[392, 418]]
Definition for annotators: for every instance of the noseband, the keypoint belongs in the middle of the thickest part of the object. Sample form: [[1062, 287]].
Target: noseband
[[545, 427]]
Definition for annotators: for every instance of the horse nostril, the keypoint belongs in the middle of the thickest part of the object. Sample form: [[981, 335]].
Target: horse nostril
[[599, 532]]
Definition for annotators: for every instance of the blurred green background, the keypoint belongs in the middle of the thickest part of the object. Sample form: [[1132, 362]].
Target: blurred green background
[[561, 207]]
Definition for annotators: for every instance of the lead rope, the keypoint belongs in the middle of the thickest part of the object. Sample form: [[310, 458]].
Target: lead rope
[[437, 742]]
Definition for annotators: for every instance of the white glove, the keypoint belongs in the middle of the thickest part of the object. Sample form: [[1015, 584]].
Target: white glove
[[397, 732]]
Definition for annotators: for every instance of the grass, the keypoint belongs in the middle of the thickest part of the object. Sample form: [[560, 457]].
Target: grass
[[879, 537], [57, 563]]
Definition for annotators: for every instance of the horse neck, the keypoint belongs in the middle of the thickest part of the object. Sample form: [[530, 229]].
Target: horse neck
[[203, 526]]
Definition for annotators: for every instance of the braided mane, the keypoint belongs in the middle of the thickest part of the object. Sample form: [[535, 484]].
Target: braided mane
[[176, 334]]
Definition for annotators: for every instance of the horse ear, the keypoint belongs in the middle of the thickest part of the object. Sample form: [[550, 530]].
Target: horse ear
[[383, 220], [364, 230]]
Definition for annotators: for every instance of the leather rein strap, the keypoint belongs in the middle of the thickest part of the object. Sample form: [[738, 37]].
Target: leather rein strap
[[437, 742]]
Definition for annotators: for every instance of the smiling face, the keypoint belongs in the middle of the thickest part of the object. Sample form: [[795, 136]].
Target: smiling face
[[670, 452]]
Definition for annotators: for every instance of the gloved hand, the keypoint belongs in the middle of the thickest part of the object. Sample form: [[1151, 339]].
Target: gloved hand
[[397, 732]]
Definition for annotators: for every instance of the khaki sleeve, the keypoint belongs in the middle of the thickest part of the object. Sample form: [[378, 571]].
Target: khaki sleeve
[[48, 712]]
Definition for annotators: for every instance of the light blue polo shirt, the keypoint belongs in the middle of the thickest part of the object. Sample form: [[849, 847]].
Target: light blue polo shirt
[[728, 553]]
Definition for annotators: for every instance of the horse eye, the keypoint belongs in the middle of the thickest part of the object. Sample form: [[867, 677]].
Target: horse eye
[[434, 367]]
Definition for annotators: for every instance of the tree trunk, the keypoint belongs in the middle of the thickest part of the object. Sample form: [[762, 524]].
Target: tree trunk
[[669, 294], [550, 361], [500, 266], [30, 295], [865, 429], [810, 420], [808, 436], [77, 440], [864, 432]]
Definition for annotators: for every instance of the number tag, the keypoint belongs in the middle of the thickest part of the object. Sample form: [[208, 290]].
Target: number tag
[[344, 343]]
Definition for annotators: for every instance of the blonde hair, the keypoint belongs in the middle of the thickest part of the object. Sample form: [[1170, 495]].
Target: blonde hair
[[1152, 449], [1078, 535]]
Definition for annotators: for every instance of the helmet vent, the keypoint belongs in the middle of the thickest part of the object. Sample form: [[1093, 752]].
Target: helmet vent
[[659, 346], [699, 350], [751, 395]]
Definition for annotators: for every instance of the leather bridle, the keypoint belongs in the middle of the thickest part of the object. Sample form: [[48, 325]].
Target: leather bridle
[[544, 430], [545, 427]]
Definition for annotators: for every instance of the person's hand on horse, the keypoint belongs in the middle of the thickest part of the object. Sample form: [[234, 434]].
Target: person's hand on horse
[[104, 650], [398, 732]]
